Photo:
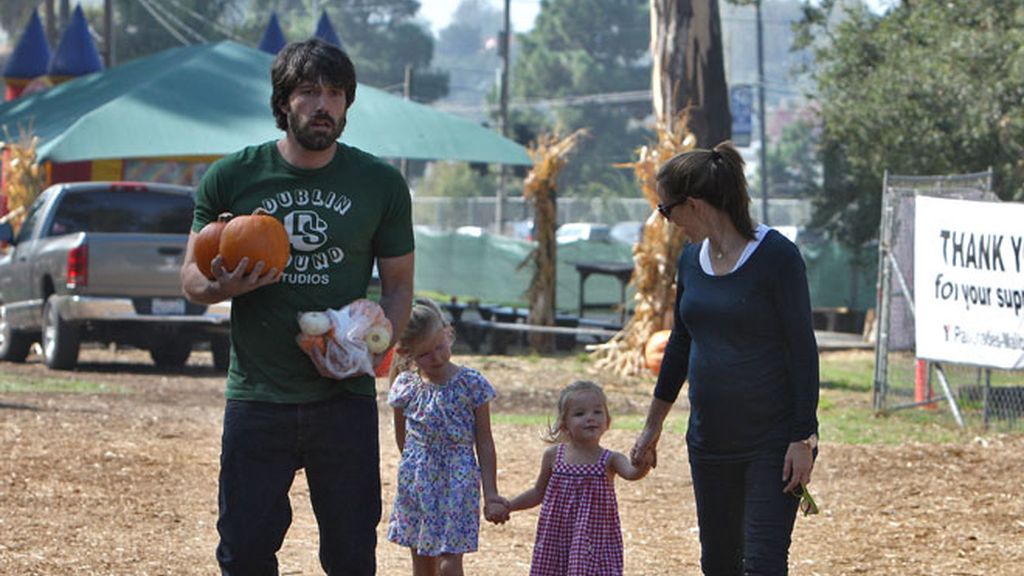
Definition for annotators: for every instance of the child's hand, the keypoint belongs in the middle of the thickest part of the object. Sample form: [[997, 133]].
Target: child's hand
[[496, 509], [628, 470], [646, 463]]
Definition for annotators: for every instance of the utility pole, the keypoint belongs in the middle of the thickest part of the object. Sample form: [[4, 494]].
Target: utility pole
[[760, 116], [499, 204], [108, 33], [403, 164], [64, 9], [50, 16]]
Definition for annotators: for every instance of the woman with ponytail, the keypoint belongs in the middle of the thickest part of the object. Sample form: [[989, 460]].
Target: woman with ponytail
[[744, 340]]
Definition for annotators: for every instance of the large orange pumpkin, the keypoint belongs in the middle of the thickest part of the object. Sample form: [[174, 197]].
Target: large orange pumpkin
[[259, 236], [207, 244], [654, 350]]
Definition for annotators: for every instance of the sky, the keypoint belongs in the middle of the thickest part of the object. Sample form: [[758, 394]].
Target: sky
[[521, 12]]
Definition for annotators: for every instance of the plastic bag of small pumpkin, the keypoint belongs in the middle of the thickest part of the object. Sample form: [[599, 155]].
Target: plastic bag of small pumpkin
[[343, 343]]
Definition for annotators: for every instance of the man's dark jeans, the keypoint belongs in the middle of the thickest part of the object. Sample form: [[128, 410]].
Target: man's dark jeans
[[745, 518], [262, 447]]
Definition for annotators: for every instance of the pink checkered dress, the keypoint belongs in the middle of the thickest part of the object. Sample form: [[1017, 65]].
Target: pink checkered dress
[[578, 533]]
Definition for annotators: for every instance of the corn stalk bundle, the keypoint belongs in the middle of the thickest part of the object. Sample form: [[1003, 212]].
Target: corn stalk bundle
[[24, 179], [549, 155], [654, 262]]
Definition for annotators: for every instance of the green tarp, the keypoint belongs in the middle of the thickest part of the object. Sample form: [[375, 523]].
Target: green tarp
[[832, 280], [485, 267], [213, 99]]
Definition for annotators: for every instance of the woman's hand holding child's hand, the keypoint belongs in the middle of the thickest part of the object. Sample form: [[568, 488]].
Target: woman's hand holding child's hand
[[645, 451], [496, 509]]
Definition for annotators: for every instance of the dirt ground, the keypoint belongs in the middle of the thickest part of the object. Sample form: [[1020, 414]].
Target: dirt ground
[[126, 484]]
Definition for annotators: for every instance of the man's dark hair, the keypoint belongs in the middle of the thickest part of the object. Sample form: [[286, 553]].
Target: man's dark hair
[[310, 61]]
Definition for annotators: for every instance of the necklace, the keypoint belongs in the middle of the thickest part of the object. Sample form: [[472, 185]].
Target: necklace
[[718, 252]]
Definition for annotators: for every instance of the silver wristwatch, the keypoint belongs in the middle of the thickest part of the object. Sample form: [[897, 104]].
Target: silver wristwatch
[[811, 442]]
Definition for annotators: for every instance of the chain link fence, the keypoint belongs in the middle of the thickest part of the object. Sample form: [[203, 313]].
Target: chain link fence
[[442, 213], [989, 398]]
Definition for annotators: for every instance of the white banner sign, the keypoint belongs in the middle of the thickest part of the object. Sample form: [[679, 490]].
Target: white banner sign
[[969, 282]]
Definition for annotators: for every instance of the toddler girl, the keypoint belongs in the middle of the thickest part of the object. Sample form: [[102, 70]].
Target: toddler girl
[[441, 414], [578, 532]]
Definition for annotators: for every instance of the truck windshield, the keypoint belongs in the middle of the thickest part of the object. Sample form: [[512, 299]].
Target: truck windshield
[[123, 211]]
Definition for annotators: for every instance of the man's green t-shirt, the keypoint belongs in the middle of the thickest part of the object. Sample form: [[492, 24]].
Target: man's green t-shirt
[[339, 219]]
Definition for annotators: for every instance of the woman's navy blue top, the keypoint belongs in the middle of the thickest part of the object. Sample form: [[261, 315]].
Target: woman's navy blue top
[[745, 342]]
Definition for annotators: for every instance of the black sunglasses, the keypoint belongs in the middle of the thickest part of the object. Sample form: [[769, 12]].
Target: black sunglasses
[[666, 209]]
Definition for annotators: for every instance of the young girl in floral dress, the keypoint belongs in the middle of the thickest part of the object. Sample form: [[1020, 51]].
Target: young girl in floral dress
[[441, 414], [578, 533]]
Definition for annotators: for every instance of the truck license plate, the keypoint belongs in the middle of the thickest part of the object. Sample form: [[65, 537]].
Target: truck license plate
[[168, 306]]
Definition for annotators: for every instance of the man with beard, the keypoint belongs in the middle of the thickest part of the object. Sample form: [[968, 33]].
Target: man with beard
[[344, 210]]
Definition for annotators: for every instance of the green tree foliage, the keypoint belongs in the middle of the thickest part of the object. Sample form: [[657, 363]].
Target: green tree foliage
[[139, 31], [455, 180], [381, 36], [929, 87], [794, 165], [14, 15], [468, 50], [587, 47]]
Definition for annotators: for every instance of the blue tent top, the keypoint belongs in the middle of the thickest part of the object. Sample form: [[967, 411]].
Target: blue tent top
[[76, 54], [273, 37], [325, 31], [32, 54]]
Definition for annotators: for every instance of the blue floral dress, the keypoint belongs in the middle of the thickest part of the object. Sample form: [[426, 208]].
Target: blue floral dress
[[437, 505]]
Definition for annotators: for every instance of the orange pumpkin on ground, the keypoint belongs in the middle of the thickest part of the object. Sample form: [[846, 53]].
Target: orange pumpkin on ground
[[259, 236], [207, 244], [654, 350]]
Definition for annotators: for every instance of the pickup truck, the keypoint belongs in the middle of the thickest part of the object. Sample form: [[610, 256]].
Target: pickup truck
[[99, 262]]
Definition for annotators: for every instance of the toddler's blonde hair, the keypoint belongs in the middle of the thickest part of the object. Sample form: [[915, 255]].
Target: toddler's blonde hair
[[425, 320], [556, 432]]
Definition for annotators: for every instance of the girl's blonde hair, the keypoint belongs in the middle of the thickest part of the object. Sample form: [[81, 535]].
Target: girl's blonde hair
[[425, 320], [556, 432]]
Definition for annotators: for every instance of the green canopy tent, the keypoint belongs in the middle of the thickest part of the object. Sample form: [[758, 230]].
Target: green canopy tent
[[208, 100]]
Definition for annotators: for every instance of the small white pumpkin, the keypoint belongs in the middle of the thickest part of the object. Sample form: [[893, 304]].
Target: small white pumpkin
[[378, 337], [314, 323]]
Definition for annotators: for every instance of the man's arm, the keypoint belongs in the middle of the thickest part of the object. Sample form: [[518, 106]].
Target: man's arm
[[227, 284], [396, 275]]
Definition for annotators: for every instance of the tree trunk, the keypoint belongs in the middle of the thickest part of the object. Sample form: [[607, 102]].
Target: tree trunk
[[688, 70]]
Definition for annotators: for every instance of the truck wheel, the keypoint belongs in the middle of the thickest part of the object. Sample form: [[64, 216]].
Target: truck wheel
[[171, 354], [60, 339], [220, 346], [14, 345]]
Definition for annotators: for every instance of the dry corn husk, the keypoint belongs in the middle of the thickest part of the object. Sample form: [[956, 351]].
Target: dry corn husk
[[24, 179], [654, 259], [549, 154]]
